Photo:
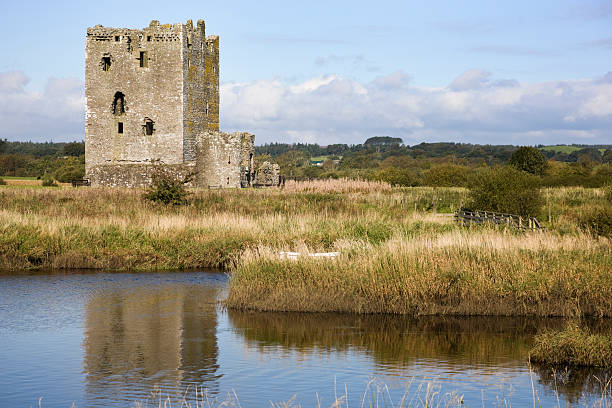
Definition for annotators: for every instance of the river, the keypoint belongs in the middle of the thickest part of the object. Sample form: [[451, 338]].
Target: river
[[122, 339]]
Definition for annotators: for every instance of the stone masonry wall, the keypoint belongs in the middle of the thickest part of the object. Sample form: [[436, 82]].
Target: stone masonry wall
[[132, 175], [218, 160], [247, 162], [200, 102], [150, 92], [267, 174], [153, 96]]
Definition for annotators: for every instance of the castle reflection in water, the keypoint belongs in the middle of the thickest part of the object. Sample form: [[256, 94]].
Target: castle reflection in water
[[149, 337]]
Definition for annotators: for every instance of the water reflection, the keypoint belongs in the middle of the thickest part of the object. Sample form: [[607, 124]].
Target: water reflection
[[145, 337], [453, 344]]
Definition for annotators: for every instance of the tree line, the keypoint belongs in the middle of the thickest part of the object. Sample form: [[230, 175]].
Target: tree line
[[60, 161], [378, 158]]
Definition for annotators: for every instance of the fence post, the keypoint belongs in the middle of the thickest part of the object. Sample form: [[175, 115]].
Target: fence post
[[520, 221]]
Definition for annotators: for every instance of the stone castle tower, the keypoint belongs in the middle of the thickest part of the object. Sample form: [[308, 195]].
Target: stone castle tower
[[153, 97]]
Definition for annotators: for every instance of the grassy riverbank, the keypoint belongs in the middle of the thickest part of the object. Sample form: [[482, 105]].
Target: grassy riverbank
[[573, 346], [400, 254]]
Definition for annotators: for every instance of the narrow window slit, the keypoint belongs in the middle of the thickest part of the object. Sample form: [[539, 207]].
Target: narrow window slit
[[148, 127], [144, 59]]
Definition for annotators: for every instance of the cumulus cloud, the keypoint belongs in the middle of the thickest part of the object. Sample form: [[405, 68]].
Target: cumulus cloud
[[475, 107], [470, 79], [56, 113]]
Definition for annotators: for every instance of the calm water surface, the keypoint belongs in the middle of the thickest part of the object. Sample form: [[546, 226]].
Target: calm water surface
[[114, 339]]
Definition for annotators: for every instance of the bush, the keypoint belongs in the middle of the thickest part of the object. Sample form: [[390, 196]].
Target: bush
[[507, 190], [67, 173], [446, 175], [166, 188], [597, 220], [607, 190], [529, 159], [395, 176], [48, 181], [2, 182]]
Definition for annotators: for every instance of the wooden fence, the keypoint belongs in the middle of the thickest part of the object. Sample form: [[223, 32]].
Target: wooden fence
[[467, 218]]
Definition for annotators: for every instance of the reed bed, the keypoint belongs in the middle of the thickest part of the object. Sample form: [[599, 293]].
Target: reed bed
[[573, 346], [454, 273], [338, 186], [400, 253]]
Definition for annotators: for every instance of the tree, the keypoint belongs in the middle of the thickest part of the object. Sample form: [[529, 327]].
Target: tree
[[529, 159], [74, 149], [384, 141], [506, 190]]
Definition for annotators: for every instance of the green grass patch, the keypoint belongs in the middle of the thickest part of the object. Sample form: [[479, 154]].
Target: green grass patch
[[573, 346]]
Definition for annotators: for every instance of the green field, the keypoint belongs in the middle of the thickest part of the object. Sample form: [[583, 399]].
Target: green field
[[323, 158], [18, 178], [565, 149]]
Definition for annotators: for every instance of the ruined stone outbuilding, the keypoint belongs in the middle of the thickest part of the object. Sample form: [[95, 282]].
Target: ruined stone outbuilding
[[267, 175], [153, 97]]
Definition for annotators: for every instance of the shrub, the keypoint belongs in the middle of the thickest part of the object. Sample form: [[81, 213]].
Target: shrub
[[166, 188], [395, 176], [48, 181], [529, 159], [2, 182], [446, 175], [597, 220], [607, 190], [507, 190], [67, 173]]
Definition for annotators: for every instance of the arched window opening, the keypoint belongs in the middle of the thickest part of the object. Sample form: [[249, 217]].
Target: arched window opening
[[105, 63], [118, 104]]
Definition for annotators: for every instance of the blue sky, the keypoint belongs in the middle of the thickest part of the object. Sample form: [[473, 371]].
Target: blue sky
[[520, 72]]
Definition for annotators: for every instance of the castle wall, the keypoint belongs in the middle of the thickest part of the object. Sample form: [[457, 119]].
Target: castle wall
[[218, 159], [151, 92], [132, 175], [200, 86], [247, 156]]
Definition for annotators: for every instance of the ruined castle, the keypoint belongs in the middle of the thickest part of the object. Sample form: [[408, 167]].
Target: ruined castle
[[153, 97]]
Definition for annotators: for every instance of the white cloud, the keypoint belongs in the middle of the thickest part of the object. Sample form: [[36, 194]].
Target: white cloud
[[475, 108], [470, 79], [56, 114]]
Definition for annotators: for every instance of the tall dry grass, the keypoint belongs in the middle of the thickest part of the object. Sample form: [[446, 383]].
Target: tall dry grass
[[573, 346], [116, 228], [338, 186], [458, 272], [399, 254]]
